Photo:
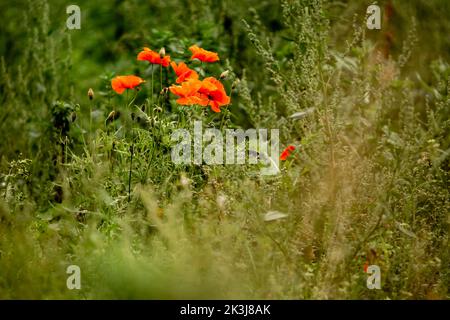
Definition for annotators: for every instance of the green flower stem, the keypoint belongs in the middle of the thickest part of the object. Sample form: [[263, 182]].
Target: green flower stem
[[152, 86]]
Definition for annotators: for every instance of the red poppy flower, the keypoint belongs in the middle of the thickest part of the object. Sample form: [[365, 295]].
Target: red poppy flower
[[153, 57], [183, 72], [286, 153], [120, 83], [209, 92], [203, 55]]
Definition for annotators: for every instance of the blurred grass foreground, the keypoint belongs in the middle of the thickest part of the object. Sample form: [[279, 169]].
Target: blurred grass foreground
[[87, 178]]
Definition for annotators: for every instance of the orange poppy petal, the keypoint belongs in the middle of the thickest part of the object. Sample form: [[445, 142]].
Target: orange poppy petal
[[214, 106], [165, 61], [203, 55], [176, 90], [191, 100], [284, 156], [117, 86], [187, 88], [185, 101], [153, 57], [183, 72], [120, 83], [287, 152], [208, 85], [130, 82]]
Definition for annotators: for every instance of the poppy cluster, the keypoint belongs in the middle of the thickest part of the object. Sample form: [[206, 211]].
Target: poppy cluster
[[208, 92], [189, 88], [192, 91]]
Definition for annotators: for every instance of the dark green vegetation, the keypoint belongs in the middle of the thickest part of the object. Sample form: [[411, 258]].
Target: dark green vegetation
[[369, 181]]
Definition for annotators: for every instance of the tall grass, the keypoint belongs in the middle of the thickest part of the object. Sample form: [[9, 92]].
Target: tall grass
[[368, 182]]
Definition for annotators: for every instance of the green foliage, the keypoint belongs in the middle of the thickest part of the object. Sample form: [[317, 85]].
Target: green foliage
[[369, 181]]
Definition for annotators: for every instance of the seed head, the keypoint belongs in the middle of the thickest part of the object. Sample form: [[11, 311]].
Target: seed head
[[91, 93]]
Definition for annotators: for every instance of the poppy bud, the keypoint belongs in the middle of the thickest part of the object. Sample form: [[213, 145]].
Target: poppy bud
[[235, 84], [224, 74], [162, 52], [91, 93], [113, 115], [164, 91], [73, 116]]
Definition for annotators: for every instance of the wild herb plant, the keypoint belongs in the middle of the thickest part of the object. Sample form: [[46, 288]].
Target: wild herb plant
[[365, 176]]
